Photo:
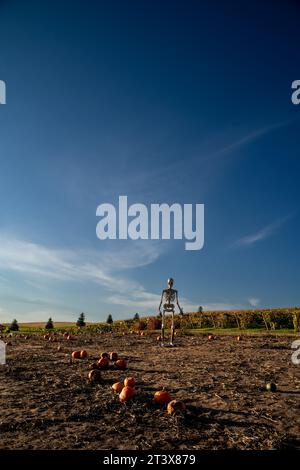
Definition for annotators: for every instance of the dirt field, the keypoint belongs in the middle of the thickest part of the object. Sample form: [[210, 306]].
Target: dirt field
[[47, 403]]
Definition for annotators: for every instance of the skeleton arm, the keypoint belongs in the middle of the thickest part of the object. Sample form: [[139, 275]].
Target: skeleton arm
[[177, 302], [161, 301]]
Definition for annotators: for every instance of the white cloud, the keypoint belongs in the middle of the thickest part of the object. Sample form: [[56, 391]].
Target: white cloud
[[35, 262], [253, 301], [66, 265]]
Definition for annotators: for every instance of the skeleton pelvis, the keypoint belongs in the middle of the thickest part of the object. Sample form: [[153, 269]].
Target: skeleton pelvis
[[169, 307]]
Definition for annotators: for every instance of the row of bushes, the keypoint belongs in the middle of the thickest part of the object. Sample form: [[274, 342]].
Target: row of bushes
[[270, 319]]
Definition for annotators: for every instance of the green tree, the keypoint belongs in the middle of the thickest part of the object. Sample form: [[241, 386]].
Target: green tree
[[81, 320], [136, 316], [14, 326], [49, 324], [109, 319], [200, 309]]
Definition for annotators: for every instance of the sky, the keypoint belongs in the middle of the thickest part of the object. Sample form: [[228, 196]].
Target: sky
[[172, 101]]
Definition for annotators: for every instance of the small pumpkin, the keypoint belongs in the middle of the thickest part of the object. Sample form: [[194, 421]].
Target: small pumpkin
[[270, 387], [76, 355], [105, 354], [118, 387], [121, 364], [126, 394], [176, 407], [103, 363], [113, 356], [83, 354], [94, 375], [162, 397], [129, 382]]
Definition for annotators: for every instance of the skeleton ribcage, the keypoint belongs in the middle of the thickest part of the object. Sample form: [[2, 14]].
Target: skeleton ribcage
[[169, 296]]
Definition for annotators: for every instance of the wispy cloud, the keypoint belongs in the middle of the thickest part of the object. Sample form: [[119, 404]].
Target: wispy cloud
[[67, 265], [35, 262], [249, 138], [262, 234]]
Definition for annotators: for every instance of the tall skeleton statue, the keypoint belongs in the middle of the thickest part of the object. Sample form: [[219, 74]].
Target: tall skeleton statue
[[168, 297]]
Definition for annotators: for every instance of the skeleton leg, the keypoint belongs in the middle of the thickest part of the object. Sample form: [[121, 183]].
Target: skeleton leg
[[163, 327], [172, 329]]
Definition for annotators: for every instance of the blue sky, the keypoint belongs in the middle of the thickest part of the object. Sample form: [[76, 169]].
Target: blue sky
[[163, 102]]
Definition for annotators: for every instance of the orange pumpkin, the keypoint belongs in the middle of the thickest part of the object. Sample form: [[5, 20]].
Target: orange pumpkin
[[76, 355], [103, 363], [118, 387], [83, 354], [176, 407], [94, 375], [129, 382], [113, 356], [162, 397], [126, 394], [121, 364]]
